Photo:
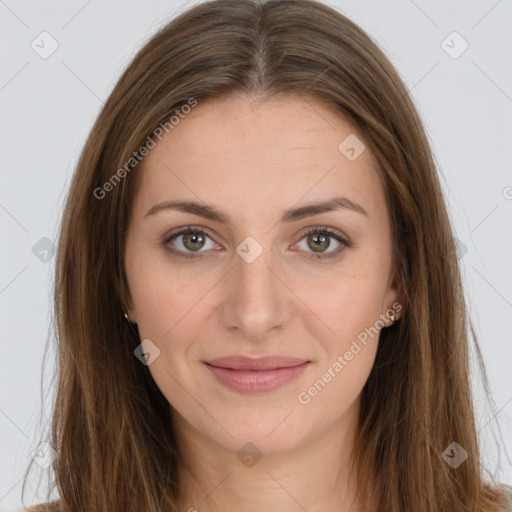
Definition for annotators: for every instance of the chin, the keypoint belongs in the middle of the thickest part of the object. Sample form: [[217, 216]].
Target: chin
[[271, 432]]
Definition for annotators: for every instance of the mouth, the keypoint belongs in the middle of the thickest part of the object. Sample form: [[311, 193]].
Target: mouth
[[271, 362], [260, 375]]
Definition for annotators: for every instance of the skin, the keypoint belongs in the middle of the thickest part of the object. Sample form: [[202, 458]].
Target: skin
[[254, 160]]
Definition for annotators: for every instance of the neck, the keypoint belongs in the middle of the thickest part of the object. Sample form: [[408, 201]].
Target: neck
[[316, 476]]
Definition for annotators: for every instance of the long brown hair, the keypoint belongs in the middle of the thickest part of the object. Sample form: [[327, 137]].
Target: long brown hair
[[111, 427]]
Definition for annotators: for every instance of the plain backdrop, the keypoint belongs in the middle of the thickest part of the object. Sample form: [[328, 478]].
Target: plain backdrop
[[455, 58]]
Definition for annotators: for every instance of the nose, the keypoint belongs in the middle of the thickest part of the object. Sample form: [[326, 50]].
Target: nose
[[257, 301]]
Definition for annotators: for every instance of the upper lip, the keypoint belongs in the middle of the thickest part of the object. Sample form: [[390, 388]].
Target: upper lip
[[272, 362]]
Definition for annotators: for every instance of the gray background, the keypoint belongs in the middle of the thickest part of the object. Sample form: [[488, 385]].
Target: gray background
[[47, 107]]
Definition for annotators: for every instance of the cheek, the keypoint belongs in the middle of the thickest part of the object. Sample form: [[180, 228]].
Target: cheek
[[350, 308], [150, 294], [336, 388], [166, 300], [347, 302]]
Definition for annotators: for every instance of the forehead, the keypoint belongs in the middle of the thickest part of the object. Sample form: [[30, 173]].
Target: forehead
[[283, 123], [240, 149]]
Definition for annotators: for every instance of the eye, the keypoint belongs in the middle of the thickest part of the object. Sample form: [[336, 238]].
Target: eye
[[318, 239], [192, 239], [188, 242]]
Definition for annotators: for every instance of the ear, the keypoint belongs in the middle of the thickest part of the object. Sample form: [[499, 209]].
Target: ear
[[129, 309], [394, 299]]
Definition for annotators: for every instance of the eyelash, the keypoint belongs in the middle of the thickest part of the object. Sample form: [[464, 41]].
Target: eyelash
[[313, 231]]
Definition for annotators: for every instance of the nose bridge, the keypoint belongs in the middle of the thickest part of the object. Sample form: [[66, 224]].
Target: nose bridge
[[254, 282], [252, 267], [258, 299]]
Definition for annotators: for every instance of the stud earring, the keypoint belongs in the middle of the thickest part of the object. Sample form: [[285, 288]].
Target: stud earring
[[392, 318]]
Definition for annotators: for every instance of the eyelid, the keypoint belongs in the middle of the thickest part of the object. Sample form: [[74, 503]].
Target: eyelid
[[332, 231], [185, 229]]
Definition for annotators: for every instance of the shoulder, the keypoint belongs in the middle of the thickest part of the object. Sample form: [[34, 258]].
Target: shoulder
[[508, 489], [53, 506]]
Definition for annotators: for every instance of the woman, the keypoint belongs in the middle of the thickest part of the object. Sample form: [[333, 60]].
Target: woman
[[258, 301]]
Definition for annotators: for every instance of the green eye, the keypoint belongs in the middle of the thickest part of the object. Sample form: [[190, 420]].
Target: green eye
[[193, 239], [318, 240]]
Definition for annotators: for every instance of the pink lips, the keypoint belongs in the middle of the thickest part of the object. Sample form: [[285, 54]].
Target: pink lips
[[249, 375]]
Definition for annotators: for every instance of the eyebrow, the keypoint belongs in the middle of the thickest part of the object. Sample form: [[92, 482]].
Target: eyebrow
[[294, 214]]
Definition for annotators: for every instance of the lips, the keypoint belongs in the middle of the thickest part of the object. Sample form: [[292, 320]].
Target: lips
[[256, 375], [271, 362]]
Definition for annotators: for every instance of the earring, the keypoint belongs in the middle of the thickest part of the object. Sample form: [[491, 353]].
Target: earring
[[126, 316], [392, 318]]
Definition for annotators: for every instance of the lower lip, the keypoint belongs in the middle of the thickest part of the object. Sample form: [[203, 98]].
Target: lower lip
[[256, 381]]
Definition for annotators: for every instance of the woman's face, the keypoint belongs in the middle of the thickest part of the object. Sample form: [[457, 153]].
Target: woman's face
[[254, 284]]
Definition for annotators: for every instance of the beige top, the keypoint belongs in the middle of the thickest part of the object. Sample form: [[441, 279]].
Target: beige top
[[39, 508]]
